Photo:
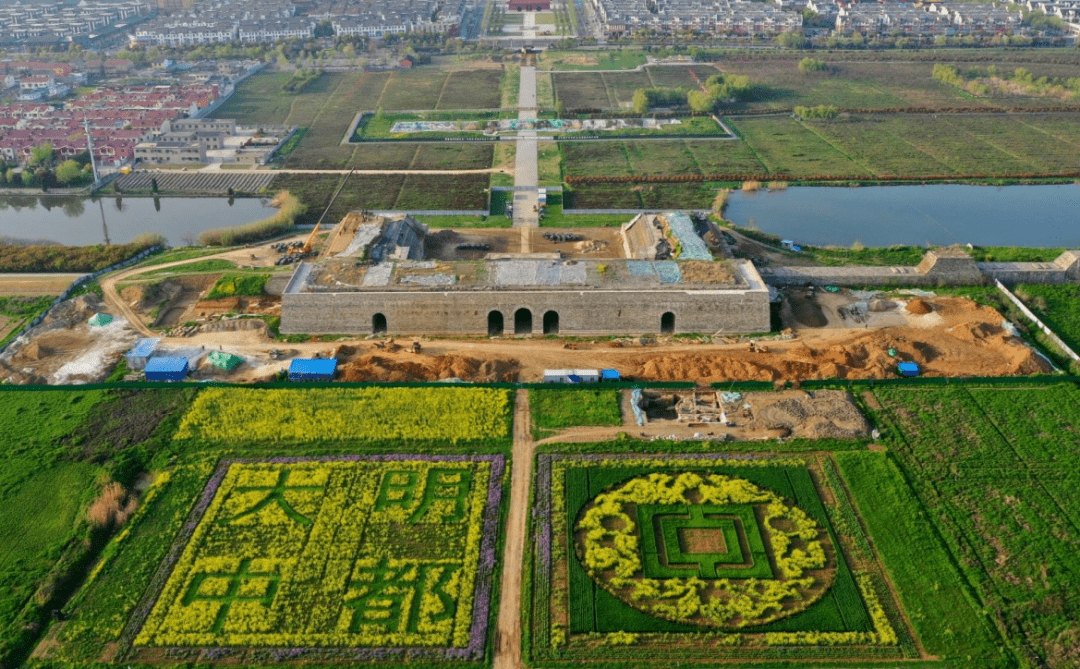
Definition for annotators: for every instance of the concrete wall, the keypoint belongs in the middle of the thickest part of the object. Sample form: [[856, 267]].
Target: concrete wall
[[586, 312], [1024, 272]]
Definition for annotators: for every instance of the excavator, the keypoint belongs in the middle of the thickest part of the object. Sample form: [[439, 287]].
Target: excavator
[[306, 248]]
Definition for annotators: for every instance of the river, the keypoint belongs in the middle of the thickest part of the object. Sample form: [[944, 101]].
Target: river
[[1045, 215], [77, 221]]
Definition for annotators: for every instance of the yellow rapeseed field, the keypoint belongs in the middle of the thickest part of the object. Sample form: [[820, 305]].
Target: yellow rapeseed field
[[362, 414]]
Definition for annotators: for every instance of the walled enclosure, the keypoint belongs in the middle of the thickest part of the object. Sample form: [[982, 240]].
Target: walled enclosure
[[586, 311]]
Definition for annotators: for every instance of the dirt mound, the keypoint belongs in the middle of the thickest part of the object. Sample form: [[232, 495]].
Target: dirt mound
[[383, 367], [816, 415], [35, 351], [919, 307], [808, 313], [969, 341], [147, 296]]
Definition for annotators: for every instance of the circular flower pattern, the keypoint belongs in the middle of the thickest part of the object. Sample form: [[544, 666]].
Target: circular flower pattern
[[704, 549]]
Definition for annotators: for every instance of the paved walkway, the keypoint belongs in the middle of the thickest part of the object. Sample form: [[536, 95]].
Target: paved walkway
[[525, 169]]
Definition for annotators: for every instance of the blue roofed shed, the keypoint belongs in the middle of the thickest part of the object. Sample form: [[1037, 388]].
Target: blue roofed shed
[[140, 353], [166, 369], [312, 369], [609, 375], [908, 369]]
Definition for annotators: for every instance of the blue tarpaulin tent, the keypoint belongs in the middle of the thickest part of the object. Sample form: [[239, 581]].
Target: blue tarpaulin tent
[[908, 369], [312, 369], [166, 369]]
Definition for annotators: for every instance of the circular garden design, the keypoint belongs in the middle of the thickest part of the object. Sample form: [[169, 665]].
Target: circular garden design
[[704, 549]]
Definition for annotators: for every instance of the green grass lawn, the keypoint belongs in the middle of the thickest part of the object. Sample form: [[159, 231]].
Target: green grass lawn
[[44, 492], [890, 80], [621, 59], [930, 587], [328, 105], [1057, 307], [488, 221], [557, 408], [994, 469], [787, 147]]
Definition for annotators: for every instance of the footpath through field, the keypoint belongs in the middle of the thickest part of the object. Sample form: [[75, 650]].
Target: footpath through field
[[508, 634]]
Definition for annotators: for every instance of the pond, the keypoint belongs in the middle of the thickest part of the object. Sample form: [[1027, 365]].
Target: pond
[[1045, 215], [78, 221]]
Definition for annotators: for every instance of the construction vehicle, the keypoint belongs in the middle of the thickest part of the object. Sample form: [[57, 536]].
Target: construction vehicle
[[416, 347], [306, 248], [758, 348]]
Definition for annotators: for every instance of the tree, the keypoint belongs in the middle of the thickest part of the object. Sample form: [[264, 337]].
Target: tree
[[812, 65], [792, 40], [153, 185], [641, 101], [42, 155], [68, 171], [700, 101]]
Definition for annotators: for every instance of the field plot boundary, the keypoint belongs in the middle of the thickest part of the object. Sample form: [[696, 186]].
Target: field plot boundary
[[550, 643], [484, 579]]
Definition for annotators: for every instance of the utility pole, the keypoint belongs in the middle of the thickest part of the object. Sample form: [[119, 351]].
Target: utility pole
[[90, 148]]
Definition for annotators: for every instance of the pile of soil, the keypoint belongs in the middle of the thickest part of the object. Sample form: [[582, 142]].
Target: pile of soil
[[807, 311], [969, 341], [413, 367], [146, 296], [919, 307]]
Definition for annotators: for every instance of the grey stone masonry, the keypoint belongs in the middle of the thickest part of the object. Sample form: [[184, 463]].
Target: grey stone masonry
[[939, 267], [586, 310]]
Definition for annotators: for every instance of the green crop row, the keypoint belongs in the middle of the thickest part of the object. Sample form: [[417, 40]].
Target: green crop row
[[994, 469]]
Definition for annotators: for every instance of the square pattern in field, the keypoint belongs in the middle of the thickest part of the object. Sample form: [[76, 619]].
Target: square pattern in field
[[572, 616], [708, 541], [379, 552]]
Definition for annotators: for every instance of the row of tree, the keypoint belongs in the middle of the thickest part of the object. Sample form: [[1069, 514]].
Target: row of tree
[[719, 89], [43, 170]]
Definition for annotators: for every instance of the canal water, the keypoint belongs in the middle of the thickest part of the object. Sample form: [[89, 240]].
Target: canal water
[[915, 215], [78, 221]]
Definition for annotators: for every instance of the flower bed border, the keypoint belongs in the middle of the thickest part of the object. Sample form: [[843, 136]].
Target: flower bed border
[[485, 577], [546, 646]]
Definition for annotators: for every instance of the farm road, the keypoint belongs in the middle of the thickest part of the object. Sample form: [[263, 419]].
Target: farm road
[[508, 635]]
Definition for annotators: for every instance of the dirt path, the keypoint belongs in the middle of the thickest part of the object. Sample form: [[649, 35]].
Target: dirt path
[[508, 635], [113, 299]]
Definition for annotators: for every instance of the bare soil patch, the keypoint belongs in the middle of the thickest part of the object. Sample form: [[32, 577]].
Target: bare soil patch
[[35, 284], [702, 540], [960, 339], [64, 348], [385, 365]]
